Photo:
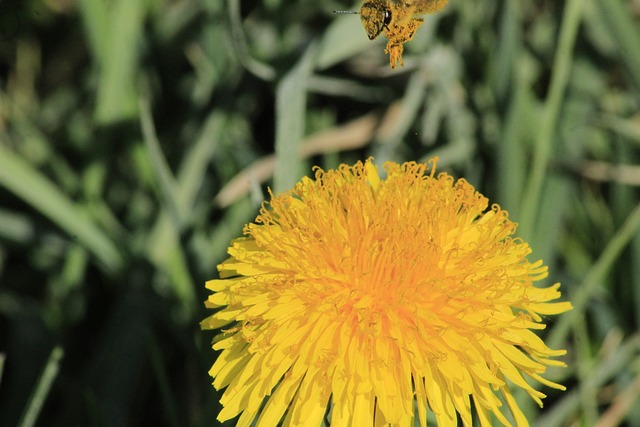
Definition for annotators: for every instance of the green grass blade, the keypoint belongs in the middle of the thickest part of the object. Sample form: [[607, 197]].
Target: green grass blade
[[95, 19], [342, 40], [164, 177], [291, 107], [3, 357], [260, 69], [196, 161], [595, 278], [508, 49], [624, 27], [41, 391], [117, 97], [167, 395], [30, 185], [164, 248], [627, 128], [611, 365], [15, 227], [551, 114]]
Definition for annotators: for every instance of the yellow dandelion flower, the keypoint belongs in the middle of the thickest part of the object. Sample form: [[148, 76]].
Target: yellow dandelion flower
[[369, 296]]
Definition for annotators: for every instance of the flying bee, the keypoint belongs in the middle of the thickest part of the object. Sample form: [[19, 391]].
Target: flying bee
[[398, 19]]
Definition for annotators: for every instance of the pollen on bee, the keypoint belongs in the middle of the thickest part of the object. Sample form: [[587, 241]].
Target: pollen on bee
[[397, 20]]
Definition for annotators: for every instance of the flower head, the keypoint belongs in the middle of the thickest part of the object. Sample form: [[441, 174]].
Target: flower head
[[365, 295]]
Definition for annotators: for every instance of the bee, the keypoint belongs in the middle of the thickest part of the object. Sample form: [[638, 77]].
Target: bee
[[397, 19]]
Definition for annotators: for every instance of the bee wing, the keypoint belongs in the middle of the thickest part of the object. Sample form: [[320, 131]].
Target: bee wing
[[427, 6]]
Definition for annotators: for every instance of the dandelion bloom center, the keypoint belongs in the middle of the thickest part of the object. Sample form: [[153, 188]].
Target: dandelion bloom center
[[365, 295]]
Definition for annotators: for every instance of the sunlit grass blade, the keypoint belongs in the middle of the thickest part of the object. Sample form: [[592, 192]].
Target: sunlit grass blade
[[291, 108], [95, 20], [550, 116], [344, 38], [116, 94]]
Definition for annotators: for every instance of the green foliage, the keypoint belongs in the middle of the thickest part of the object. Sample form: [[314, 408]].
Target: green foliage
[[137, 137]]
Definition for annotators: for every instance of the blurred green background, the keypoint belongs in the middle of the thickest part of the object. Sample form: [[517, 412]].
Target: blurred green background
[[137, 137]]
